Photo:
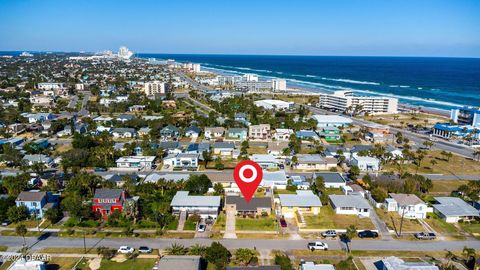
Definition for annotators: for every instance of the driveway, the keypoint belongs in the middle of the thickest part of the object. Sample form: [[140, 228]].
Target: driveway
[[230, 224]]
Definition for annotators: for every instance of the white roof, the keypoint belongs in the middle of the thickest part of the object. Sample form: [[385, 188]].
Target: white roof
[[394, 263], [273, 102], [313, 266], [136, 159], [365, 159], [261, 158], [303, 198], [183, 199], [277, 177], [452, 206], [327, 118]]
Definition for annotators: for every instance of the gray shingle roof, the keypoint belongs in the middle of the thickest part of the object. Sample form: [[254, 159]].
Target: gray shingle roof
[[171, 262], [31, 196], [356, 201], [330, 177], [183, 199], [108, 193], [452, 206], [303, 198], [252, 205]]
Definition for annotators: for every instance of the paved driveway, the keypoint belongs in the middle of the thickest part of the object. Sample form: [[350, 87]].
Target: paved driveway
[[230, 224]]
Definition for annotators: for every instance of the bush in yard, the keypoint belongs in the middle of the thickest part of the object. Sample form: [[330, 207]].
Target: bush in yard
[[17, 213], [106, 253], [284, 262], [217, 254]]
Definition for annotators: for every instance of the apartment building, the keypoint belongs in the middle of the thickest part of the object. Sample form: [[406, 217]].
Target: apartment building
[[346, 100], [154, 88]]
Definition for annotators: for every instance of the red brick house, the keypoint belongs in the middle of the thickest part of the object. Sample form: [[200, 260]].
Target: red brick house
[[107, 200]]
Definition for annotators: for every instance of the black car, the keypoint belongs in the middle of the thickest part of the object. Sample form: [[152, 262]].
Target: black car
[[367, 234], [144, 249]]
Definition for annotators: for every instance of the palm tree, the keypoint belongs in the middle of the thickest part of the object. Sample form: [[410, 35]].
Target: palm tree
[[449, 256], [22, 231], [468, 253], [348, 236], [176, 249], [197, 250]]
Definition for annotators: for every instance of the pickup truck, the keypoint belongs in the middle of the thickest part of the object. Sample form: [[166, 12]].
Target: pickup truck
[[329, 233], [317, 246], [425, 235]]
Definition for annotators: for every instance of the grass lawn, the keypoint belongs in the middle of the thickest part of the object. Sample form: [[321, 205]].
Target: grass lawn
[[446, 187], [256, 150], [137, 264], [442, 227], [189, 225], [392, 219], [456, 165], [472, 228], [327, 219], [220, 222], [3, 248], [256, 224], [68, 250], [407, 118], [61, 263], [172, 225]]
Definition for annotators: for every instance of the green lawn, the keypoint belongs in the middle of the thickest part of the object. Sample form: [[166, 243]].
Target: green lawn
[[220, 222], [442, 227], [446, 187], [472, 228], [392, 219], [256, 224], [61, 263], [172, 225], [327, 219], [137, 264], [189, 225], [3, 248]]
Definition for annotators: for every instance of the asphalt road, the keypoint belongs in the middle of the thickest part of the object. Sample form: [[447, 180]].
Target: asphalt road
[[13, 241]]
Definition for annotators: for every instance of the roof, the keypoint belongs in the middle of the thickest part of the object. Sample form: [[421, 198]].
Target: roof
[[136, 159], [252, 205], [306, 133], [303, 198], [313, 266], [360, 147], [276, 177], [452, 206], [260, 158], [237, 130], [193, 129], [311, 159], [126, 116], [31, 196], [331, 119], [259, 267], [215, 129], [224, 145], [332, 177], [171, 262], [394, 263], [108, 193], [406, 199], [123, 130], [183, 199], [349, 201], [169, 145], [37, 158]]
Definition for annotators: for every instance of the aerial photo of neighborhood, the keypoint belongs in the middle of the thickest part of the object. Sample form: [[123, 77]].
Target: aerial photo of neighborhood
[[122, 159]]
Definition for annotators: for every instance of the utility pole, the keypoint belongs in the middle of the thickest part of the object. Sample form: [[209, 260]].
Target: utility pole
[[401, 221], [84, 243]]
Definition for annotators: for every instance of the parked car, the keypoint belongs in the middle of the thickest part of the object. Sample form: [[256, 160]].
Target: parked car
[[100, 169], [329, 233], [125, 250], [144, 249], [201, 228], [283, 223], [317, 246], [425, 235], [5, 222], [367, 234]]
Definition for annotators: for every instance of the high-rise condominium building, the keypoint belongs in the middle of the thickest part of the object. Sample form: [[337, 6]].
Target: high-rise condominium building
[[346, 100]]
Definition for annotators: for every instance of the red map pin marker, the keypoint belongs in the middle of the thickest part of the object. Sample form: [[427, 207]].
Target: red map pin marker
[[248, 175]]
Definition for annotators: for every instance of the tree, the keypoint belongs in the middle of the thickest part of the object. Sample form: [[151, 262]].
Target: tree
[[198, 184], [106, 253], [468, 253], [320, 183], [16, 184], [217, 254], [354, 172], [207, 156], [17, 213], [348, 235], [244, 256], [21, 230], [53, 215], [218, 164], [218, 189], [176, 249], [11, 156], [284, 262], [197, 250]]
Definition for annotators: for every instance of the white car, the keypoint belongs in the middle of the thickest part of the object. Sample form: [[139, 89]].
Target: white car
[[201, 228], [125, 250], [317, 246]]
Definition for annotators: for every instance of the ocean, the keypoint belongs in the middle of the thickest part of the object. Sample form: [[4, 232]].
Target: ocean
[[440, 83]]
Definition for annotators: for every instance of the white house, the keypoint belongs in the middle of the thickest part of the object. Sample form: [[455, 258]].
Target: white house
[[329, 120], [452, 209], [406, 205], [214, 132], [350, 205], [282, 134], [123, 133], [270, 104], [315, 162], [277, 179], [140, 162], [365, 163], [266, 161], [205, 206], [38, 158], [182, 160]]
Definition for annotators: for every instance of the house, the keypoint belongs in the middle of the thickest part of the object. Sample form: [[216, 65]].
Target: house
[[237, 133], [37, 202], [171, 147], [179, 262], [125, 117], [300, 181], [276, 148], [144, 131], [314, 162], [78, 128], [453, 209], [330, 134], [102, 119], [214, 132], [182, 161], [139, 162], [394, 263], [136, 108], [119, 179], [350, 205], [193, 131], [354, 189], [304, 201], [241, 118], [307, 135], [170, 131], [315, 266], [275, 180], [365, 163], [38, 158], [223, 148], [197, 148], [107, 200], [39, 117], [329, 120], [259, 132], [331, 179], [276, 105], [282, 134], [406, 205], [265, 161], [124, 133], [255, 207], [377, 128], [23, 263], [205, 206]]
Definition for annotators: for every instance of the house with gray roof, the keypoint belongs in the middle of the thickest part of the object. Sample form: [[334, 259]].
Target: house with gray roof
[[37, 202], [124, 133], [453, 209], [314, 162], [394, 263], [331, 179], [38, 158], [304, 202], [350, 205], [125, 117], [107, 200], [182, 161], [204, 206], [406, 205], [177, 262], [237, 133], [223, 148], [255, 207]]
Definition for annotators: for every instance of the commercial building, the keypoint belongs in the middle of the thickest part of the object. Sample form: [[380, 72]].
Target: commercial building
[[328, 120], [466, 116], [154, 88], [270, 104], [344, 101]]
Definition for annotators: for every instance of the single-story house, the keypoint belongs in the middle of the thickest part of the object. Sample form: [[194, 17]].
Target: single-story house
[[453, 209], [277, 179], [315, 162], [237, 133], [276, 147], [329, 120], [256, 206], [223, 148], [140, 162], [124, 132], [406, 205], [350, 205], [307, 135], [170, 147], [205, 206], [304, 201], [266, 161], [214, 132], [331, 179], [394, 263], [180, 262], [365, 163], [193, 131], [182, 161], [144, 131], [170, 131], [38, 158], [125, 117]]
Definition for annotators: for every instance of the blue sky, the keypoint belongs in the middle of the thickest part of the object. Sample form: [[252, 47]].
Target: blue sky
[[335, 27]]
